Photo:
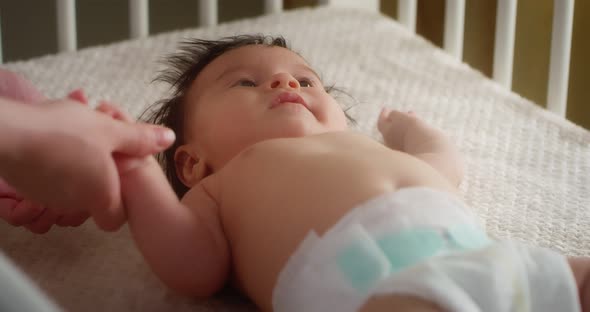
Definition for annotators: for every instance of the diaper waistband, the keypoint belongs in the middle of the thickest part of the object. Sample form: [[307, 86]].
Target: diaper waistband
[[408, 208]]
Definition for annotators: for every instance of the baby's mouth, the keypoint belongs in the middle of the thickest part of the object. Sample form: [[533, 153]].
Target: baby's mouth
[[288, 97]]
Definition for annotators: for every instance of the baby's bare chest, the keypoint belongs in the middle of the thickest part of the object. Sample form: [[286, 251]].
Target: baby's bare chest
[[273, 194], [312, 182]]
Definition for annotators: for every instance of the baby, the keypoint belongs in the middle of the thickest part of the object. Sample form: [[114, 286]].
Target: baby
[[302, 214], [282, 200]]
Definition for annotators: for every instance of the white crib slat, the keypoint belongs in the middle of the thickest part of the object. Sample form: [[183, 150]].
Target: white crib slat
[[454, 25], [207, 12], [504, 42], [138, 18], [273, 6], [66, 25], [561, 39], [406, 13]]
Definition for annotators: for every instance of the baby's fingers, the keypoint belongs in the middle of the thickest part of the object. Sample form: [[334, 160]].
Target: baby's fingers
[[384, 113], [383, 119]]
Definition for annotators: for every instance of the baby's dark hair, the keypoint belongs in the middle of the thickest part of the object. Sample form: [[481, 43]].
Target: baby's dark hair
[[182, 68]]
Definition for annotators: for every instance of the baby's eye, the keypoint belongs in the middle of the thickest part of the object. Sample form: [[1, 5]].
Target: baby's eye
[[305, 83], [246, 83]]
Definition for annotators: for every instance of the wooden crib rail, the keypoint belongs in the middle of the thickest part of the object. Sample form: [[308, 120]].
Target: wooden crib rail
[[407, 12]]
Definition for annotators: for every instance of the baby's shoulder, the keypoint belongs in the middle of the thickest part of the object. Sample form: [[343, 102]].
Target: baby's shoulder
[[205, 193]]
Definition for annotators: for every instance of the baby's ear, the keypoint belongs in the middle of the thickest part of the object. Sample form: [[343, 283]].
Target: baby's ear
[[190, 168]]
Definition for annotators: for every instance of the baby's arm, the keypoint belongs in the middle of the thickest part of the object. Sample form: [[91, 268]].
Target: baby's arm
[[408, 133], [183, 242]]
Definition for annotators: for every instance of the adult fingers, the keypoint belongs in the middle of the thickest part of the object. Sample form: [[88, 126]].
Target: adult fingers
[[43, 223], [25, 212], [124, 163], [14, 86], [6, 207], [78, 95], [109, 214], [7, 191], [75, 219], [140, 139], [111, 221], [114, 111]]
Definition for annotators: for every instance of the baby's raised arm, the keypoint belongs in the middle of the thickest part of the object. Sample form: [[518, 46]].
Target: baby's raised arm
[[408, 133], [183, 242]]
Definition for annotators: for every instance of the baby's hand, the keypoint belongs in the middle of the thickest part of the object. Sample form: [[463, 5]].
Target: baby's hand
[[124, 163], [408, 133], [127, 166], [395, 125]]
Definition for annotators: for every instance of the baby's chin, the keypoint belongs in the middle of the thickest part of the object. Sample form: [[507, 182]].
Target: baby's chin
[[293, 121], [295, 128]]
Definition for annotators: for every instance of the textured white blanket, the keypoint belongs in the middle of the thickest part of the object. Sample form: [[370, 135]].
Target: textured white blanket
[[528, 171]]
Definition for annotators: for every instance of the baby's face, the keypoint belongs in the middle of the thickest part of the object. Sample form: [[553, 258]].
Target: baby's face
[[255, 93]]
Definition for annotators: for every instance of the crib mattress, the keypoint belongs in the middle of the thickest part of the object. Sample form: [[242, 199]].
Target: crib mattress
[[527, 170]]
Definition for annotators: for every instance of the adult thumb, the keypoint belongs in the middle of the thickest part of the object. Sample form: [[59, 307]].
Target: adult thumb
[[141, 139]]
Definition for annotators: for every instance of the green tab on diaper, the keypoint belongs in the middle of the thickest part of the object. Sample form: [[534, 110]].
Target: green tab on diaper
[[366, 261], [408, 247], [467, 236], [363, 264]]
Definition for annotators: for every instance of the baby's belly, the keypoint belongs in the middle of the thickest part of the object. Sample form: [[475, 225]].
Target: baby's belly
[[266, 217]]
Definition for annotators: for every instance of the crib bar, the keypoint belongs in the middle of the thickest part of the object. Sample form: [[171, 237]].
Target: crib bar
[[66, 25], [504, 42], [207, 12], [561, 39], [369, 5], [138, 18], [273, 6], [454, 24], [406, 13]]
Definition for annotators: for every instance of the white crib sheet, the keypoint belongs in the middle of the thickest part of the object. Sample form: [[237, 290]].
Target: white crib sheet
[[528, 171]]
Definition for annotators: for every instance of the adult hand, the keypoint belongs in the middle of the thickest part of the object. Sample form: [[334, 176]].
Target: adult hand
[[61, 154], [14, 208], [14, 86]]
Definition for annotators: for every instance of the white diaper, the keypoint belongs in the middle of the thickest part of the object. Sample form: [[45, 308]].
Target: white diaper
[[423, 243]]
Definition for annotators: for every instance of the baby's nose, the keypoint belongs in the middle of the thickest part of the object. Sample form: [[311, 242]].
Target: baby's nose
[[284, 80]]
